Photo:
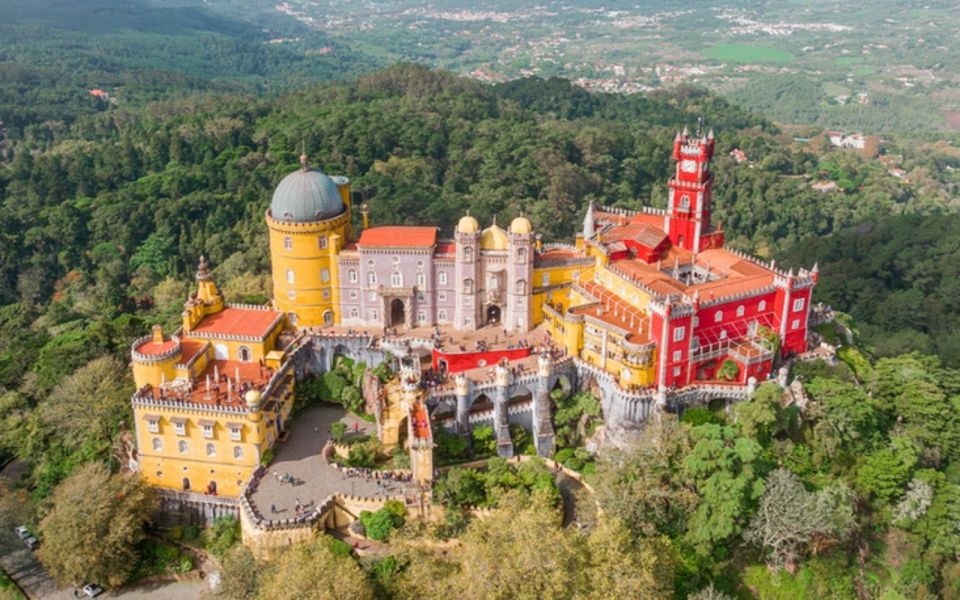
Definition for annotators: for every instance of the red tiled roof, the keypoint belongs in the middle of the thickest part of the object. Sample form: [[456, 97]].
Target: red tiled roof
[[644, 234], [151, 348], [418, 414], [399, 236], [189, 349], [447, 248], [616, 312], [251, 375], [247, 322]]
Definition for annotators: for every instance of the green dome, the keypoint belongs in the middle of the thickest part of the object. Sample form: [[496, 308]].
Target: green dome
[[306, 195]]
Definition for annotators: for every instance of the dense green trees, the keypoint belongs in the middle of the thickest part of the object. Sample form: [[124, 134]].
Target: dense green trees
[[91, 531]]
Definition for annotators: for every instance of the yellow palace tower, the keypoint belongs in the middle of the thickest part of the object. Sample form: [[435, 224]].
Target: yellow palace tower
[[309, 222]]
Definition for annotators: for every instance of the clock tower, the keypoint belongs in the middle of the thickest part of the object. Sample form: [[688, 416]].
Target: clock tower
[[688, 209]]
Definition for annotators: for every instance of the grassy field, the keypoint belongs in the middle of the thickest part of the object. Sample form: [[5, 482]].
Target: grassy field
[[742, 53], [847, 60]]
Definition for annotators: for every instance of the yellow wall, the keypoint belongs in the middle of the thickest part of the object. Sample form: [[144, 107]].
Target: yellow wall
[[167, 468], [155, 372], [623, 288], [307, 261]]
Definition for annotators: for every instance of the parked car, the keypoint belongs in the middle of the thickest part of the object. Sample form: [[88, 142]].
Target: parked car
[[31, 542], [22, 532], [92, 591]]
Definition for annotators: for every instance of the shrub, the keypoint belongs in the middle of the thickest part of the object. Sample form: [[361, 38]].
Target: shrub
[[379, 524], [267, 457], [337, 430], [339, 547], [224, 534], [362, 456], [190, 532]]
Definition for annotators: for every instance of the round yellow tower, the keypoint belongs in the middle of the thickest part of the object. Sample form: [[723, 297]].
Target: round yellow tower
[[309, 220]]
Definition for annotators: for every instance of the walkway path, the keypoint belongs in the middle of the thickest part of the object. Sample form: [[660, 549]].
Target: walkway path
[[300, 457]]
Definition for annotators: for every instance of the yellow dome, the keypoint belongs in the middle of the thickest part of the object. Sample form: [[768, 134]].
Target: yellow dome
[[521, 225], [252, 397], [468, 224], [493, 238]]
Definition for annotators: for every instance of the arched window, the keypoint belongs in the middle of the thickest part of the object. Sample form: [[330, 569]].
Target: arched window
[[718, 316], [352, 275], [354, 313], [182, 447], [684, 202], [421, 317], [211, 450], [237, 452], [291, 277], [442, 277], [371, 278], [325, 275], [468, 254], [396, 279], [244, 354], [288, 243], [328, 318], [467, 286], [421, 280], [545, 281], [522, 286], [493, 283], [442, 315], [762, 305], [157, 445], [741, 310], [723, 334], [522, 253]]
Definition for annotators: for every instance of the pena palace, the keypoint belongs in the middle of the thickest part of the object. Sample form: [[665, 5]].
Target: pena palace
[[647, 304]]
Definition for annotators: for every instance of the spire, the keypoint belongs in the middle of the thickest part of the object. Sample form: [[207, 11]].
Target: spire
[[203, 270], [678, 138], [589, 227], [816, 268], [686, 131], [710, 134]]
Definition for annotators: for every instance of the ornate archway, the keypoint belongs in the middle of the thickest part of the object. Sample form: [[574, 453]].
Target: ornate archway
[[493, 315], [397, 313]]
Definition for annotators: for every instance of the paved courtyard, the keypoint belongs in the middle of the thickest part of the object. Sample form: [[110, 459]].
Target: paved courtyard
[[300, 457]]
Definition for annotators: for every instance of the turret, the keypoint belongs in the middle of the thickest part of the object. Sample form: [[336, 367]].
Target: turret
[[589, 227]]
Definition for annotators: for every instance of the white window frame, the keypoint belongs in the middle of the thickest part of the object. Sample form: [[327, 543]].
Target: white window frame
[[180, 428], [352, 276], [679, 333], [288, 243], [762, 305], [208, 431], [324, 275], [291, 277], [677, 355], [235, 434], [354, 313], [153, 425], [157, 445], [442, 296], [442, 277], [545, 280], [396, 279], [237, 453], [798, 304], [441, 315], [741, 310], [718, 316], [795, 324], [421, 317], [323, 242], [182, 447], [421, 279], [371, 278], [211, 450]]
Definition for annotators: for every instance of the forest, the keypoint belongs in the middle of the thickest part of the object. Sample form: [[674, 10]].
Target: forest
[[105, 209]]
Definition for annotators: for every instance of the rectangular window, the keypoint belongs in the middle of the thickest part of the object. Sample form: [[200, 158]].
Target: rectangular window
[[442, 296], [762, 305], [373, 315], [421, 317], [208, 431], [677, 355], [442, 278], [442, 315], [153, 426], [679, 333], [795, 324], [325, 275], [323, 242], [180, 428], [798, 304], [354, 313], [676, 371], [291, 294], [353, 275], [287, 243], [326, 293], [235, 434], [545, 281]]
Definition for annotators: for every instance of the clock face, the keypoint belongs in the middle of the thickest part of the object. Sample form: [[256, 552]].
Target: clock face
[[688, 166]]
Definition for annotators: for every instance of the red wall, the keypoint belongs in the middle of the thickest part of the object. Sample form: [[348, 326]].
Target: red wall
[[462, 361]]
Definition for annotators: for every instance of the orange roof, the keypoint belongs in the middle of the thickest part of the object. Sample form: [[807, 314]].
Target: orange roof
[[247, 322], [644, 234], [189, 349], [418, 414], [252, 375], [398, 236], [151, 348], [615, 311]]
